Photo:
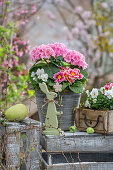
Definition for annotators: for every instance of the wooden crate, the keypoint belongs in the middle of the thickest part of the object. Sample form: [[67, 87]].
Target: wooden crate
[[17, 138], [77, 142], [101, 121], [74, 161]]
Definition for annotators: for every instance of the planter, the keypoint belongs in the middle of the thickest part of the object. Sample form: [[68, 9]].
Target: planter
[[70, 100], [101, 121]]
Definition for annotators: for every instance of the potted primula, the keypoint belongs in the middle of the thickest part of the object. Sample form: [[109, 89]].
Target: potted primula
[[98, 111], [63, 71]]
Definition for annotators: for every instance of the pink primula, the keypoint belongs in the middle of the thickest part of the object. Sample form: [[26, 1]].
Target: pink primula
[[108, 86], [59, 49], [68, 74], [59, 77], [42, 51]]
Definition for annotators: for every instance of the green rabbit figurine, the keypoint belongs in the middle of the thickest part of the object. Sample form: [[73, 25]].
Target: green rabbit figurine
[[51, 121]]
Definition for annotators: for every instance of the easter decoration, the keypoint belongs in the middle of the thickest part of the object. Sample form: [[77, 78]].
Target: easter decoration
[[65, 72], [17, 112], [51, 122]]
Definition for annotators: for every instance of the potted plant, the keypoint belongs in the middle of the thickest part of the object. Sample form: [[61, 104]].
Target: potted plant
[[98, 111], [63, 71]]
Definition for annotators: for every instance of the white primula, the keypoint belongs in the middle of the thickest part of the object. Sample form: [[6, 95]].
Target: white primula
[[32, 74], [102, 90], [44, 77], [94, 100], [40, 72], [94, 93], [87, 104], [34, 78], [87, 92], [108, 93]]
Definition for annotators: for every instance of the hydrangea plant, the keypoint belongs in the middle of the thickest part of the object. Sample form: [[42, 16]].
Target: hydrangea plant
[[61, 68], [100, 99]]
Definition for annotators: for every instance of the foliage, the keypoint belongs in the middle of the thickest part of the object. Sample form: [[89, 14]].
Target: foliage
[[13, 82], [100, 99]]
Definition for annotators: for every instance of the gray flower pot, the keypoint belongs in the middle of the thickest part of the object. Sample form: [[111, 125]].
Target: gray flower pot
[[70, 100]]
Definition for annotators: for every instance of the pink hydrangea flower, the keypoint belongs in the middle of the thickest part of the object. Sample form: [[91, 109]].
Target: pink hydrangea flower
[[59, 49], [42, 51], [59, 77], [58, 87], [75, 58]]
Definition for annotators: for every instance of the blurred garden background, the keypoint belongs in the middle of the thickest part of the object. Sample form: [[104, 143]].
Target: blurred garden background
[[85, 26]]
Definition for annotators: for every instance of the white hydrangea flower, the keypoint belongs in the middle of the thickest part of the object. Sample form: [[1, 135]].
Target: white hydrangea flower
[[87, 92], [40, 72], [87, 104], [102, 89], [32, 74], [108, 93], [94, 93], [44, 77]]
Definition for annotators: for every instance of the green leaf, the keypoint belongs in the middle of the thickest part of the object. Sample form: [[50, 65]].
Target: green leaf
[[84, 72], [76, 87], [51, 82], [64, 85], [51, 70]]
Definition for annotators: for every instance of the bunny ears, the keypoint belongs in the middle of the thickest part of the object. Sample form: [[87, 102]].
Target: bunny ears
[[44, 88]]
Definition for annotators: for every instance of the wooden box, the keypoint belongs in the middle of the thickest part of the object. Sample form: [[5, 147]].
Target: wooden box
[[75, 161], [101, 121]]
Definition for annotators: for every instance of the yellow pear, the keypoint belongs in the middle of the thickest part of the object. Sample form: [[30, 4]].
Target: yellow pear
[[17, 112]]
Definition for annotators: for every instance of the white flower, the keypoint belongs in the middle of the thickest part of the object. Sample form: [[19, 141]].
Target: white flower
[[87, 92], [40, 72], [94, 100], [44, 77], [94, 93], [34, 78], [32, 74], [102, 90], [108, 93], [87, 104], [58, 87]]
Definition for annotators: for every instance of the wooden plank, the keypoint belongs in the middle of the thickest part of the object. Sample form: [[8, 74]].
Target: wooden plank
[[78, 142], [81, 166]]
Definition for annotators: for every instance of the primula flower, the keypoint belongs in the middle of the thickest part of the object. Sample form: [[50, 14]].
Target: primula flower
[[94, 93], [87, 104], [59, 49], [58, 87], [44, 77], [59, 77], [108, 93], [42, 51], [108, 86], [32, 74], [40, 72]]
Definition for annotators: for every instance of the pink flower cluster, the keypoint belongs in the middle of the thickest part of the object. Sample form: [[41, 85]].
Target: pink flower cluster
[[59, 49], [67, 74], [108, 86], [75, 58], [42, 51]]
